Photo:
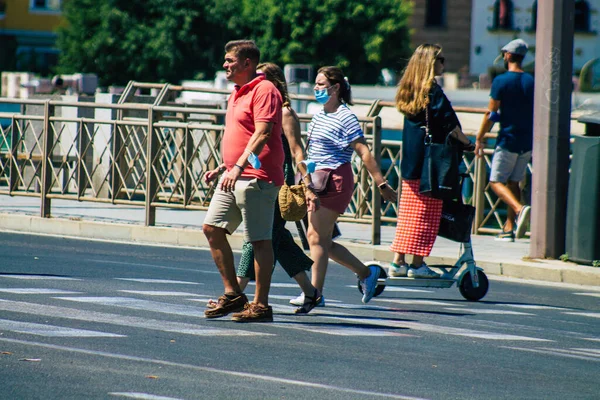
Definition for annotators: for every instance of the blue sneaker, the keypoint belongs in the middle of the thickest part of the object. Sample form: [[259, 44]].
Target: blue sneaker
[[369, 284]]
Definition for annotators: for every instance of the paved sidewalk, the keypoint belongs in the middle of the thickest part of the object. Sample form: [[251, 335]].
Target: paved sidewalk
[[184, 228]]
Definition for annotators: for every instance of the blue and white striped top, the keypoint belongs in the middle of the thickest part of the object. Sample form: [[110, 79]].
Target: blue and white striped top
[[330, 135]]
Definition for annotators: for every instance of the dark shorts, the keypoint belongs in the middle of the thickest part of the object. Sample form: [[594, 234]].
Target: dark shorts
[[339, 189]]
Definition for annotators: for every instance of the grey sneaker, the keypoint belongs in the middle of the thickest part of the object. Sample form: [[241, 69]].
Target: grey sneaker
[[396, 270], [422, 272], [299, 301], [522, 220], [505, 237], [369, 284]]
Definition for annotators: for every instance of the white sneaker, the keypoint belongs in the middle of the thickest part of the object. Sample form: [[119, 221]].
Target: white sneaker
[[398, 270], [522, 220], [422, 272], [299, 301]]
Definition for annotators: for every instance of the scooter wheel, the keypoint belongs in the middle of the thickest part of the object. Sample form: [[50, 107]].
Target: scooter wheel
[[380, 281], [466, 289]]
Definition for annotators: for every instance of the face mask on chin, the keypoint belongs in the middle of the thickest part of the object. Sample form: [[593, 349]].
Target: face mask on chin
[[322, 96]]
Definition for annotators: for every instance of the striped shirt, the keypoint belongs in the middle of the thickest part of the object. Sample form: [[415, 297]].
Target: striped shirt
[[330, 135]]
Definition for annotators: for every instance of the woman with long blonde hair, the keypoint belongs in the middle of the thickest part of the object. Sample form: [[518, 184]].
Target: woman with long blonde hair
[[423, 103]]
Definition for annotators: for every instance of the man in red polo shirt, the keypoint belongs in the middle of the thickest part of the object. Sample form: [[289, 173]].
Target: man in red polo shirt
[[253, 157]]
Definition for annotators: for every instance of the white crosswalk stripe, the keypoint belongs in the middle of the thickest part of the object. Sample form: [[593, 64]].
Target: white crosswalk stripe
[[585, 314], [39, 277], [121, 320], [588, 294], [140, 396], [159, 293], [49, 330], [167, 281], [138, 304], [35, 291], [580, 354], [487, 311]]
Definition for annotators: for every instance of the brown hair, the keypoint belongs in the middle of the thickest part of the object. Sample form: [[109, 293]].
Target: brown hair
[[244, 49], [275, 74], [335, 75], [419, 75]]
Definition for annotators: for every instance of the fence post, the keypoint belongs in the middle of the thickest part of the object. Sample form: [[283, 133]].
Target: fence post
[[14, 156], [46, 178], [479, 192], [376, 197], [151, 181]]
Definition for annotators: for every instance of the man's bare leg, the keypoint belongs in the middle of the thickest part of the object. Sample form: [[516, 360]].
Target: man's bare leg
[[223, 256], [263, 268]]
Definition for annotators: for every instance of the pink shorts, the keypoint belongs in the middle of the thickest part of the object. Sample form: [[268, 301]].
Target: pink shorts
[[339, 189]]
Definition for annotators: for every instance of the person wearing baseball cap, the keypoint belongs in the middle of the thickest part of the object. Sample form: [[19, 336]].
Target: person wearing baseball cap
[[511, 104]]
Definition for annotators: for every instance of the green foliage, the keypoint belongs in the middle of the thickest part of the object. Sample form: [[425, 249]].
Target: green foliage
[[564, 257], [596, 263], [160, 40]]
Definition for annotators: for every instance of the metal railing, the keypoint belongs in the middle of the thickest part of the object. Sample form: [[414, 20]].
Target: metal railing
[[155, 155]]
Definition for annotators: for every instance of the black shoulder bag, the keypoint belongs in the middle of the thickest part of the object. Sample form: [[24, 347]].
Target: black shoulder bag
[[457, 219], [439, 177]]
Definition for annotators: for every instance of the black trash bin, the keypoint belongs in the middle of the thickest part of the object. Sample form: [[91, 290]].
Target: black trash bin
[[583, 202]]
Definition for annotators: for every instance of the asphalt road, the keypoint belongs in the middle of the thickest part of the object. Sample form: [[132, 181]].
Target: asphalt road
[[97, 320]]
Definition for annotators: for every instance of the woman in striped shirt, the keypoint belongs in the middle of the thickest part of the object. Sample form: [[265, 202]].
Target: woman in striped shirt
[[334, 135]]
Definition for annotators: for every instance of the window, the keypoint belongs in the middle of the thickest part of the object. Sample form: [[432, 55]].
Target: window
[[582, 16], [503, 15], [2, 8], [46, 5], [533, 26], [435, 13]]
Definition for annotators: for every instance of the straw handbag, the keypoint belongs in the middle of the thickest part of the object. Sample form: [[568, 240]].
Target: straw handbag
[[292, 202]]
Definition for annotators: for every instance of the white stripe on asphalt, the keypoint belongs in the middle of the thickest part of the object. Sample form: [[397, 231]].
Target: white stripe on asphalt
[[444, 330], [49, 330], [533, 307], [414, 302], [585, 314], [154, 266], [588, 294], [39, 277], [244, 375], [36, 291], [137, 304], [141, 396], [340, 330], [121, 320], [554, 352], [487, 311], [159, 281], [390, 288], [159, 293]]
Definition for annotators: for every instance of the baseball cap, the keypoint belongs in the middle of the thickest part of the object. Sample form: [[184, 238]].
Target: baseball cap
[[517, 46]]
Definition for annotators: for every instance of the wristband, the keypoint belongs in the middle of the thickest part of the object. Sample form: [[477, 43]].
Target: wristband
[[310, 165], [253, 159], [383, 185], [240, 167]]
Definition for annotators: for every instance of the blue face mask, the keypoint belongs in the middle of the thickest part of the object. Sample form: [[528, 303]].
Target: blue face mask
[[322, 96]]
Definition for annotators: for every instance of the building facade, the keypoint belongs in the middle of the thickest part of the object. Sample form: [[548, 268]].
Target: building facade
[[496, 22], [27, 34], [447, 23]]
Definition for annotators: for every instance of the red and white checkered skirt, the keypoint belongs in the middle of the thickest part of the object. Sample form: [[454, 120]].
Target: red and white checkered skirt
[[418, 221]]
